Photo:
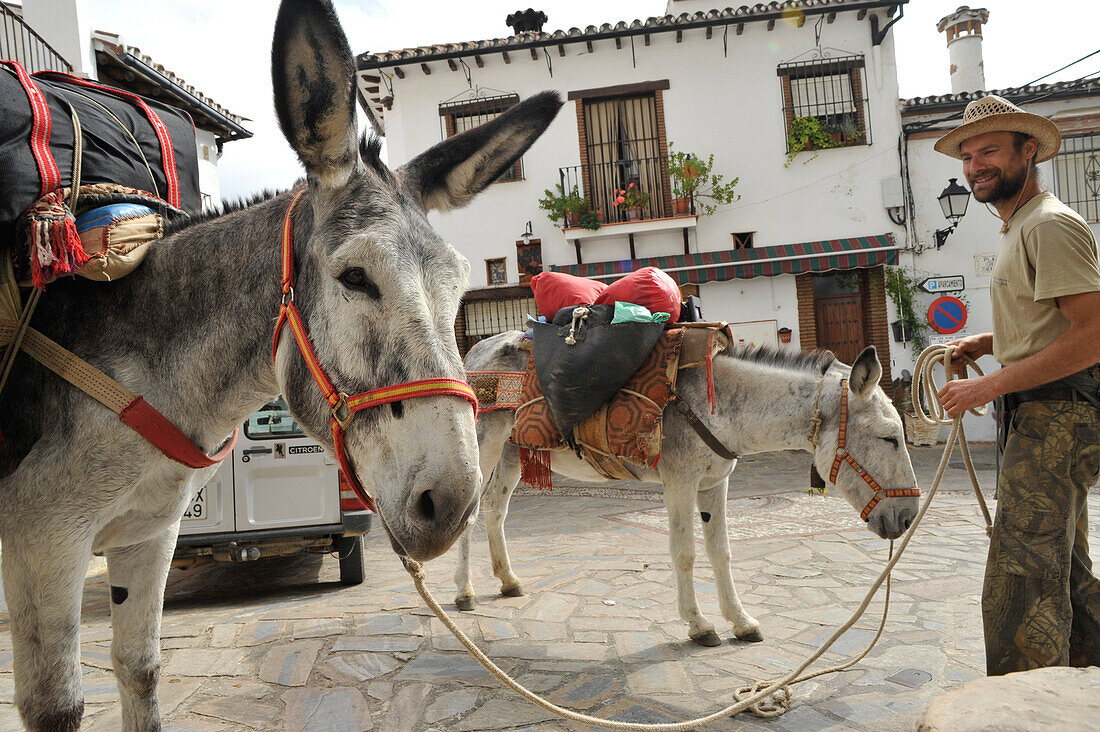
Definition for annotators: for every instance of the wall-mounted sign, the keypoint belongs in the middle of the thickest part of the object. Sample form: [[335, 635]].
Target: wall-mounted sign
[[983, 264], [945, 283], [947, 314]]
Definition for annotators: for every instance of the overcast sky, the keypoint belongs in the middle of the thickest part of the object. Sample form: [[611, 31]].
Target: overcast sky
[[223, 48]]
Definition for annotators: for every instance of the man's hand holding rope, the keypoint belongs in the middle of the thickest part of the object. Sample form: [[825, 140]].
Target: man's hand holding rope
[[959, 395]]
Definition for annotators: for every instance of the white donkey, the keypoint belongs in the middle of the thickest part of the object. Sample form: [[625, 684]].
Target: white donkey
[[766, 401], [192, 330]]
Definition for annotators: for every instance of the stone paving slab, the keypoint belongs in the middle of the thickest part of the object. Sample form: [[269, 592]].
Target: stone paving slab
[[282, 645]]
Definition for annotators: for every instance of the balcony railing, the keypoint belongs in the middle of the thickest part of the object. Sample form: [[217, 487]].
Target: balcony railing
[[19, 43], [600, 182]]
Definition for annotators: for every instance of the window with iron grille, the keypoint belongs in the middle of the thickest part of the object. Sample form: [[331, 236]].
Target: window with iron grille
[[623, 147], [495, 271], [458, 116], [479, 318], [827, 97], [1077, 175]]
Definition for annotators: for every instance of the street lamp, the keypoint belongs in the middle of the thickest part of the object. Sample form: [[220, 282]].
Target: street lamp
[[526, 235], [953, 201]]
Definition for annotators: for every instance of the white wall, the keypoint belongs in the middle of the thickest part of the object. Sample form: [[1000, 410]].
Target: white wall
[[65, 25], [209, 183], [730, 106]]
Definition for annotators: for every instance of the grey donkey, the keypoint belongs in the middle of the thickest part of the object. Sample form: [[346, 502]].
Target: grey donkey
[[192, 329]]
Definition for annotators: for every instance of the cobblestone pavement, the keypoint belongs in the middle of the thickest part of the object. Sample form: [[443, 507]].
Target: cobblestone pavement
[[280, 644]]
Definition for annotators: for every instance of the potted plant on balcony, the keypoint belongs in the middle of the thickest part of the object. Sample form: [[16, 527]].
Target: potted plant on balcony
[[807, 133], [631, 200], [572, 209], [695, 187]]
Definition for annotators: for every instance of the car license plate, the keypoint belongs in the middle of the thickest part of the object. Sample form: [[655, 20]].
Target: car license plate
[[196, 510]]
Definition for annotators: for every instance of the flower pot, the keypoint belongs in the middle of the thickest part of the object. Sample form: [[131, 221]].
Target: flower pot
[[903, 331], [633, 214], [572, 220], [784, 335], [919, 432], [681, 206]]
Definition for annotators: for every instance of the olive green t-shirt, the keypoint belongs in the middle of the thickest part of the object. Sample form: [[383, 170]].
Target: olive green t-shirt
[[1047, 252]]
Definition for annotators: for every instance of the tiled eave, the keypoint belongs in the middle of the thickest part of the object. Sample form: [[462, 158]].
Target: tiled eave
[[770, 12], [1016, 95], [132, 67], [375, 101]]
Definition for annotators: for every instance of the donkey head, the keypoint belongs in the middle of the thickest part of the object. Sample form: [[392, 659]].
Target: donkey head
[[377, 288], [873, 438]]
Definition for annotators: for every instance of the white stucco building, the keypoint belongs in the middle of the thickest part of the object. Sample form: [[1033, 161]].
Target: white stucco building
[[806, 244], [729, 83], [56, 35]]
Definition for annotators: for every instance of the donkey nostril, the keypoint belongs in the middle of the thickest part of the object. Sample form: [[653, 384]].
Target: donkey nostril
[[906, 522], [426, 505]]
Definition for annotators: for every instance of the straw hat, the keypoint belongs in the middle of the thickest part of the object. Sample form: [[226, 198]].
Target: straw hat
[[994, 114]]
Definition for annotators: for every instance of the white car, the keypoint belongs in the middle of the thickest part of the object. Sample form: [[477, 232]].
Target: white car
[[278, 494]]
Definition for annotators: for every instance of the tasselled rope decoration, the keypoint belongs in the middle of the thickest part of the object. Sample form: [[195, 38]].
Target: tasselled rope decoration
[[761, 691]]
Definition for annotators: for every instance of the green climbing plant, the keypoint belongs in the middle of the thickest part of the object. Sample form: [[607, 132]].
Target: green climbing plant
[[901, 288], [807, 133]]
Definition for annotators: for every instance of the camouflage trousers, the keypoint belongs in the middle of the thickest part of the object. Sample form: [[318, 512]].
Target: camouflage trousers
[[1041, 600]]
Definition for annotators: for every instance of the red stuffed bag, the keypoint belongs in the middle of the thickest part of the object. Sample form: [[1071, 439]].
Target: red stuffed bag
[[649, 287], [556, 290]]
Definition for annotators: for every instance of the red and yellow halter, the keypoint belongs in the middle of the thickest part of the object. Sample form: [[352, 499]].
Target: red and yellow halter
[[842, 455], [341, 406]]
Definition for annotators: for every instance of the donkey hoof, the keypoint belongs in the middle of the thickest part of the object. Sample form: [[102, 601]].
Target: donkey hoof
[[709, 639], [516, 591], [753, 636], [464, 603]]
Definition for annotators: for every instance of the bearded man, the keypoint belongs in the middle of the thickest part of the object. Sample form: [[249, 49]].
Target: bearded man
[[1040, 599]]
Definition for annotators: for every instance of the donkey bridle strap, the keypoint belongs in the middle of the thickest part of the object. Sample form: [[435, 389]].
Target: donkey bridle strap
[[341, 406], [133, 410], [843, 456], [701, 429]]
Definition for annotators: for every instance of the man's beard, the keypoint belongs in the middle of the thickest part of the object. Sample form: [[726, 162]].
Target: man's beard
[[1006, 188]]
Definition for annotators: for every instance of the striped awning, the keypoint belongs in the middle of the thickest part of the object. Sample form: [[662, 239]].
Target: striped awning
[[742, 264]]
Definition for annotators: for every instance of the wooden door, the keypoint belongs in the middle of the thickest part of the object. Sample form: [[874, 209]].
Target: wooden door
[[840, 325]]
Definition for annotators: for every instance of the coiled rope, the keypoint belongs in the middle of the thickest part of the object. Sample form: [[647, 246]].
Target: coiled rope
[[759, 693]]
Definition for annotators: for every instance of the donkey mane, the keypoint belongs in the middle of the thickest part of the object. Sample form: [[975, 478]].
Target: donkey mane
[[186, 222], [817, 362]]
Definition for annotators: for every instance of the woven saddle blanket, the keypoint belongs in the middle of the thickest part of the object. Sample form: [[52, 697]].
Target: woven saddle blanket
[[626, 429]]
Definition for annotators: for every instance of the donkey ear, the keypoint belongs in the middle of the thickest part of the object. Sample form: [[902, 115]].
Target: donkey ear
[[313, 75], [450, 174], [866, 372]]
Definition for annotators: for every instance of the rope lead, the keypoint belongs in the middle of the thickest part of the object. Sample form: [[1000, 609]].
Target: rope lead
[[759, 693]]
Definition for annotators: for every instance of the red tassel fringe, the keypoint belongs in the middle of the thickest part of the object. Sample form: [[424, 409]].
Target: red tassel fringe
[[534, 467], [56, 250]]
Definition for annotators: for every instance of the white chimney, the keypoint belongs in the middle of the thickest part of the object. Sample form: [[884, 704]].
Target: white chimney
[[65, 25], [964, 44]]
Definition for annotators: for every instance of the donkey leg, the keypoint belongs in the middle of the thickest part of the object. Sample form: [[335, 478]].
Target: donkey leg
[[464, 600], [712, 510], [497, 496], [137, 575], [43, 585], [682, 547]]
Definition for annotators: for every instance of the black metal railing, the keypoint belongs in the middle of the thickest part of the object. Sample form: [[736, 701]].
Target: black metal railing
[[1077, 175], [18, 42], [602, 184], [825, 103]]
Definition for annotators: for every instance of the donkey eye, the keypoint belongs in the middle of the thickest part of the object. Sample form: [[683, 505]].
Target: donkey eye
[[892, 440], [356, 279]]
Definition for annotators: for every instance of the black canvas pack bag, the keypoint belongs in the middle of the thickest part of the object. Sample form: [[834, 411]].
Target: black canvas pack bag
[[582, 359], [128, 140]]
